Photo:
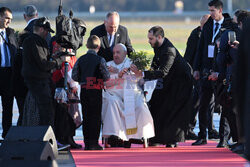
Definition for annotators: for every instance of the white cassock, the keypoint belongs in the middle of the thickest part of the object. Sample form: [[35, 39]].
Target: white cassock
[[124, 110]]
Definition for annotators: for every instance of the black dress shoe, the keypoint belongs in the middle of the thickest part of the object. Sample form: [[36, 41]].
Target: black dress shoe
[[115, 141], [199, 142], [73, 143], [238, 149], [191, 136], [153, 144], [213, 135], [171, 145], [222, 144], [136, 141], [93, 147], [76, 146], [233, 145], [127, 144]]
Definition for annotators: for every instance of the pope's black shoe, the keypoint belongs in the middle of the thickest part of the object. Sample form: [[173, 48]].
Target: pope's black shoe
[[127, 144], [199, 142], [115, 141]]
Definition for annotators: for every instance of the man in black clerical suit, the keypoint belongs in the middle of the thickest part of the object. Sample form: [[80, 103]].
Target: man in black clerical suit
[[170, 103], [110, 34], [8, 49]]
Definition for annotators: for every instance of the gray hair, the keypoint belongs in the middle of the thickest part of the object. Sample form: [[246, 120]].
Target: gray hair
[[30, 10], [114, 13]]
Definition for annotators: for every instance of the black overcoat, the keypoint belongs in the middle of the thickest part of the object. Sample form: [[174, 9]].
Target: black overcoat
[[171, 100]]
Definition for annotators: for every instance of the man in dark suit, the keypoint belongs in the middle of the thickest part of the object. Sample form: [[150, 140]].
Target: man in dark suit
[[110, 34], [8, 48], [189, 56], [170, 103], [30, 14], [17, 83], [242, 86], [205, 62]]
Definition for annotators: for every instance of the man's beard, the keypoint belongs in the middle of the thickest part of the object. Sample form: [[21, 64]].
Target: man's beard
[[156, 45]]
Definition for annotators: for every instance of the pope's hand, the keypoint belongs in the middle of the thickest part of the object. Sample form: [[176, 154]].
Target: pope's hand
[[122, 72], [112, 69], [134, 69]]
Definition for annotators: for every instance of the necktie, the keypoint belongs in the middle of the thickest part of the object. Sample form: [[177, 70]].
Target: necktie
[[110, 38], [216, 27], [5, 51]]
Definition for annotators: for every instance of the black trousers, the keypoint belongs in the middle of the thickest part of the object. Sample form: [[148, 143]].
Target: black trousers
[[41, 91], [195, 107], [7, 105], [20, 104], [228, 125], [7, 98], [91, 100], [246, 121], [206, 108]]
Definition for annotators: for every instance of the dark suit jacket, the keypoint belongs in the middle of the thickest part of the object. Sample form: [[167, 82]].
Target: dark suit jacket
[[18, 86], [121, 36], [192, 45], [201, 59], [241, 84], [5, 82], [29, 27], [12, 43]]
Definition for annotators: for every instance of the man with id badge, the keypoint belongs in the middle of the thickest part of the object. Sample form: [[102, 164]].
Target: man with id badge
[[205, 66]]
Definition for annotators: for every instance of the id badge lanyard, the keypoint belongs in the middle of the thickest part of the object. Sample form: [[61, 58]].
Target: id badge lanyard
[[211, 47]]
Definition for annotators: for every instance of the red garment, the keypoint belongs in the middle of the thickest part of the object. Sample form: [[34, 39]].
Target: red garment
[[59, 74]]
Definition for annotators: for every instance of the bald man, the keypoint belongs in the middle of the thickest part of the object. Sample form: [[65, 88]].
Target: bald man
[[192, 45], [125, 113], [110, 34], [193, 40]]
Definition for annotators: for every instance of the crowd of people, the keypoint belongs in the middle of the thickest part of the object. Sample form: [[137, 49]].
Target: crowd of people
[[213, 76]]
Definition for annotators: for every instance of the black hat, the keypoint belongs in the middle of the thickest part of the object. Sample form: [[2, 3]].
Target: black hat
[[43, 22]]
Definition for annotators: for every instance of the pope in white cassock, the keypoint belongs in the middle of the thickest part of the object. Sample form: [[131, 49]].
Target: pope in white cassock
[[124, 111]]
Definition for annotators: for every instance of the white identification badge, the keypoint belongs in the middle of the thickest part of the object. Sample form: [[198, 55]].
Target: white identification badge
[[210, 51]]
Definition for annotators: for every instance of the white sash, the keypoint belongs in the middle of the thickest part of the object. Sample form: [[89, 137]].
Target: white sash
[[129, 106]]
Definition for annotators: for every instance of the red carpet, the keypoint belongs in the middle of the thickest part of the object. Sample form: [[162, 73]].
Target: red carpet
[[137, 156]]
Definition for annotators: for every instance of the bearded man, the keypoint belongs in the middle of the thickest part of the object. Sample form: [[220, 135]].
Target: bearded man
[[171, 99]]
